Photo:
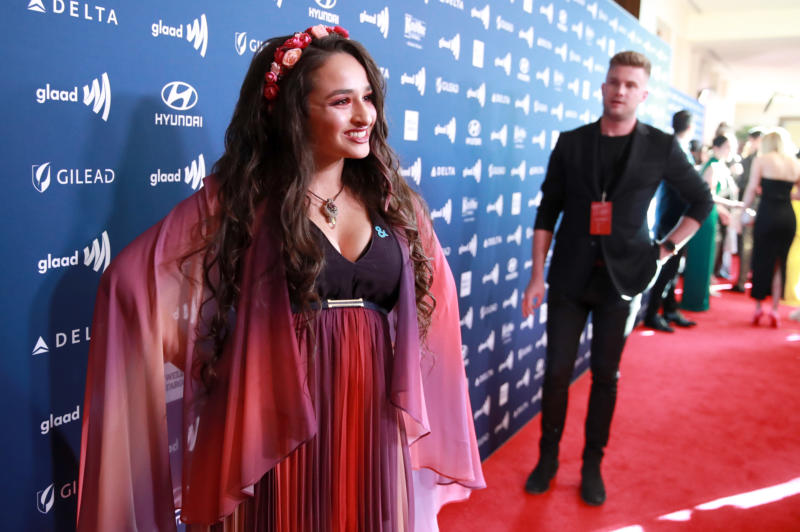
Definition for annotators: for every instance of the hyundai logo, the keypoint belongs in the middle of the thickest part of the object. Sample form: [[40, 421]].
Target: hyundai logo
[[179, 95], [326, 4]]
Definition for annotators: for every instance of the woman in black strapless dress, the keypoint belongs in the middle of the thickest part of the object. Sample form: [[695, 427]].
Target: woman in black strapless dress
[[775, 171]]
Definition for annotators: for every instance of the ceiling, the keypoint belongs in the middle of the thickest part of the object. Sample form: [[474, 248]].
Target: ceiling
[[757, 42]]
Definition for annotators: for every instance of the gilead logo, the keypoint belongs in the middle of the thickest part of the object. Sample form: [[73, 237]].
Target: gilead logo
[[57, 421], [46, 498], [41, 176]]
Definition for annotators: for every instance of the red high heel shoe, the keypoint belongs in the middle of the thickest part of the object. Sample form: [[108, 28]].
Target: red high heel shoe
[[774, 320], [757, 317]]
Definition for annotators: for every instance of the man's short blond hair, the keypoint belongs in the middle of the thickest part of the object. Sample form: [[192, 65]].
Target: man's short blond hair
[[630, 58]]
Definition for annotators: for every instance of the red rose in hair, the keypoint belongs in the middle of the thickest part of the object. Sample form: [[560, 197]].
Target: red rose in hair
[[341, 31], [305, 38], [271, 77], [270, 91], [294, 42], [279, 55]]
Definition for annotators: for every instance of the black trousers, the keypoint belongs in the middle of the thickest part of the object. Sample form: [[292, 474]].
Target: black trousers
[[612, 320], [662, 294]]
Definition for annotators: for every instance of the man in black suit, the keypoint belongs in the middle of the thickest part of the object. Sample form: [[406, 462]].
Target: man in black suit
[[602, 177], [669, 211]]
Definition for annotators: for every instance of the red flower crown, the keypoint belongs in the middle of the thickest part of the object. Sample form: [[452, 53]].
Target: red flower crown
[[287, 55]]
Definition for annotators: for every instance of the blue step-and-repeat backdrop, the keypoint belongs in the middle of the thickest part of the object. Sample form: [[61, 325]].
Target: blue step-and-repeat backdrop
[[113, 112]]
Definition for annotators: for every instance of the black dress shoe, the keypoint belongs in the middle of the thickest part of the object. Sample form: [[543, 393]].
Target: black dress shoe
[[593, 491], [658, 323], [679, 319], [738, 289], [539, 479]]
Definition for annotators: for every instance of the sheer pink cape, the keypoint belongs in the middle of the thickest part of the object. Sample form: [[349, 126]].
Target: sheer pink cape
[[146, 314]]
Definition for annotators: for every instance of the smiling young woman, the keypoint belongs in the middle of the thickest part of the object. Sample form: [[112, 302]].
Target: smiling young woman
[[304, 294]]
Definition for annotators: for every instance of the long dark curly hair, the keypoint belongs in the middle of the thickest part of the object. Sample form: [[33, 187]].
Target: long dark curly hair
[[268, 158]]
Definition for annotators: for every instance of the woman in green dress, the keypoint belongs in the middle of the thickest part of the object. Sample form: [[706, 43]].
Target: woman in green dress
[[700, 250]]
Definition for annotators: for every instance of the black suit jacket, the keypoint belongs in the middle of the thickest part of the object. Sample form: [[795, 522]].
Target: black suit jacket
[[573, 182]]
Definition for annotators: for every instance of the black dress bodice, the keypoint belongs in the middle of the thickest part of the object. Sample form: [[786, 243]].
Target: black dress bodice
[[374, 276]]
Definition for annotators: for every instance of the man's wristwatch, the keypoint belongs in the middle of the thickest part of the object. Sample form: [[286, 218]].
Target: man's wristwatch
[[670, 246]]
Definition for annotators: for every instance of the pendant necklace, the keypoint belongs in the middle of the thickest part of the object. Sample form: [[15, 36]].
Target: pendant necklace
[[328, 207]]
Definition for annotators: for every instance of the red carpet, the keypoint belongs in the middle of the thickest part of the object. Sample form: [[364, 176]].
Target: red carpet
[[702, 414]]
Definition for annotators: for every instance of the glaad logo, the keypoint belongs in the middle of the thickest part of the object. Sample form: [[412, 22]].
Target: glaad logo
[[454, 45], [96, 95], [77, 9], [417, 80], [41, 176], [242, 44], [380, 19], [193, 174], [57, 421], [448, 130], [96, 257], [196, 32], [414, 171]]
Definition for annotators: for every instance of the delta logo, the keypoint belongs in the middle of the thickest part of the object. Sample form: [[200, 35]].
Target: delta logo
[[179, 96], [192, 174], [41, 176], [63, 339], [195, 32], [96, 95], [77, 10], [96, 256]]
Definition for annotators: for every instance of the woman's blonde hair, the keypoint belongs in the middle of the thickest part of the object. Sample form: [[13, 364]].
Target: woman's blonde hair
[[777, 140]]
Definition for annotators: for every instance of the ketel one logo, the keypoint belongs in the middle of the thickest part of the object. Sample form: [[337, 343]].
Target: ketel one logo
[[41, 176], [97, 256], [196, 32], [179, 95], [96, 95]]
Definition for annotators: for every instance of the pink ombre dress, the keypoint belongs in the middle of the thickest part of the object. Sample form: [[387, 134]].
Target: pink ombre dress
[[344, 435]]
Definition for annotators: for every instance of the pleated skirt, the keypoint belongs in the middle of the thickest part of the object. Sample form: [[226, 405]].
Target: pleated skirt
[[355, 474]]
